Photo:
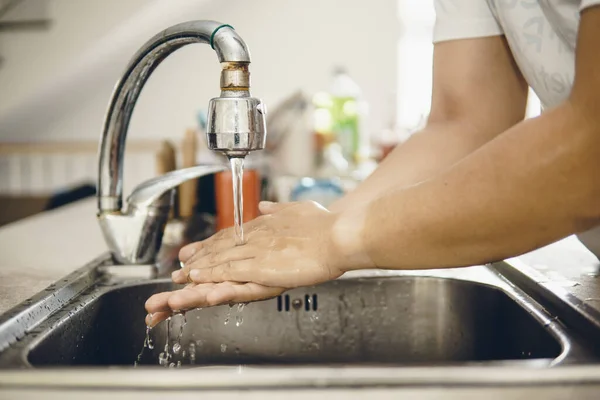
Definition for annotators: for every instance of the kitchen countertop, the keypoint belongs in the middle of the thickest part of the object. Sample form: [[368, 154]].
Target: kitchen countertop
[[39, 250], [568, 270], [569, 264]]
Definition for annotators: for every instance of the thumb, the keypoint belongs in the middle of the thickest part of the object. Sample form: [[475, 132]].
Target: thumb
[[268, 207]]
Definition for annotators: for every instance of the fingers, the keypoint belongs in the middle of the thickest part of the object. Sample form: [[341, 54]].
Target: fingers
[[220, 252], [192, 249], [162, 305], [232, 270], [199, 250], [241, 293], [158, 303], [235, 253], [180, 276], [206, 295], [189, 299], [158, 308], [154, 319], [188, 251]]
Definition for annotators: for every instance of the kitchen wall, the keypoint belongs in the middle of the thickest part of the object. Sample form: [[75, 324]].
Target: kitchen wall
[[34, 57], [56, 84]]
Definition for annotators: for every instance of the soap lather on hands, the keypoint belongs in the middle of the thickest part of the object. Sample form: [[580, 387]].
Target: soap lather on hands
[[290, 245]]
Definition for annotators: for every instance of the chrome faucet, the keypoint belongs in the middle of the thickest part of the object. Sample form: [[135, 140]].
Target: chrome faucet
[[236, 126]]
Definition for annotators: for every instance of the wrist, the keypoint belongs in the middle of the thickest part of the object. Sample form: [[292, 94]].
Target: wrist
[[347, 235]]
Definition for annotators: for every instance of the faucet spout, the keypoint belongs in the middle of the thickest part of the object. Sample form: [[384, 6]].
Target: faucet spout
[[236, 127], [231, 52]]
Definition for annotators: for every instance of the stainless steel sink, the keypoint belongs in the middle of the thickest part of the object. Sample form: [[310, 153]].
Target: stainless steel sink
[[441, 317], [377, 320]]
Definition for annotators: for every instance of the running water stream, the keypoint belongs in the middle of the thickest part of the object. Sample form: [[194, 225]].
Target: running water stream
[[237, 177]]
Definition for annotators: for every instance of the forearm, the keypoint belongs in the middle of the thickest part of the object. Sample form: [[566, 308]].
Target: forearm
[[427, 153], [530, 186], [474, 99]]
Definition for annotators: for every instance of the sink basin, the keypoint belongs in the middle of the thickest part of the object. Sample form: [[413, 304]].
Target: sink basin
[[410, 319]]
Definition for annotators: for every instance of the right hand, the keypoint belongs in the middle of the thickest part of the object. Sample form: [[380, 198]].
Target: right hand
[[162, 305]]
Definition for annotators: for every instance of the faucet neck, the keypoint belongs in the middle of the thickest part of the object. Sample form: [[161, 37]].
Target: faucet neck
[[231, 52]]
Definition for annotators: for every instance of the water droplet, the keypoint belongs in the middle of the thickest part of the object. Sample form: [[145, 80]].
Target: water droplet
[[168, 336], [176, 347], [178, 364], [223, 348], [162, 359], [228, 315], [240, 307], [192, 348], [172, 365], [192, 351], [239, 320], [147, 344]]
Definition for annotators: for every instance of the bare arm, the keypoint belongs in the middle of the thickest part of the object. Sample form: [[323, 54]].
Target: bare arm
[[478, 93], [535, 183]]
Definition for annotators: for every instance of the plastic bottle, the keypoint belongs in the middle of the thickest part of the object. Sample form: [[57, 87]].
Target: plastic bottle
[[348, 112]]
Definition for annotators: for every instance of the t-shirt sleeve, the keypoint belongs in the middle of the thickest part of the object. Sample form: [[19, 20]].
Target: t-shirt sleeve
[[589, 3], [463, 19]]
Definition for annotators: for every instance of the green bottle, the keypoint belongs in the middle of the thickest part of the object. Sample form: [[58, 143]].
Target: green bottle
[[346, 114]]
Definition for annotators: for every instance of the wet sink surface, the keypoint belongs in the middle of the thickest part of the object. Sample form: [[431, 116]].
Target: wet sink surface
[[392, 320]]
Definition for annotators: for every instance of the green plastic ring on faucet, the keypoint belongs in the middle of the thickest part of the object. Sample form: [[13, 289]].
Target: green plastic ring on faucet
[[212, 36]]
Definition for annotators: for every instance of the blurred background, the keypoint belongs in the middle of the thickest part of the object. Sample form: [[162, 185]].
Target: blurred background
[[344, 81]]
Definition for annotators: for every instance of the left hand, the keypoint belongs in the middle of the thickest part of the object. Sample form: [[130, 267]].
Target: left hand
[[162, 305]]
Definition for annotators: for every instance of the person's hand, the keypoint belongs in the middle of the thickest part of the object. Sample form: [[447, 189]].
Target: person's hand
[[162, 305], [290, 245]]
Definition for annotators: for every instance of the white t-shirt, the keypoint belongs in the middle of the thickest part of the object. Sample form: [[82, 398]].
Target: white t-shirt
[[541, 34]]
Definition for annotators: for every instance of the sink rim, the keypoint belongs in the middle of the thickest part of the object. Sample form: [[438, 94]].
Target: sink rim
[[263, 377]]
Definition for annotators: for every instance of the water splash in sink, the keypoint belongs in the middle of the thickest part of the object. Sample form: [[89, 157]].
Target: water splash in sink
[[148, 344], [228, 316]]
